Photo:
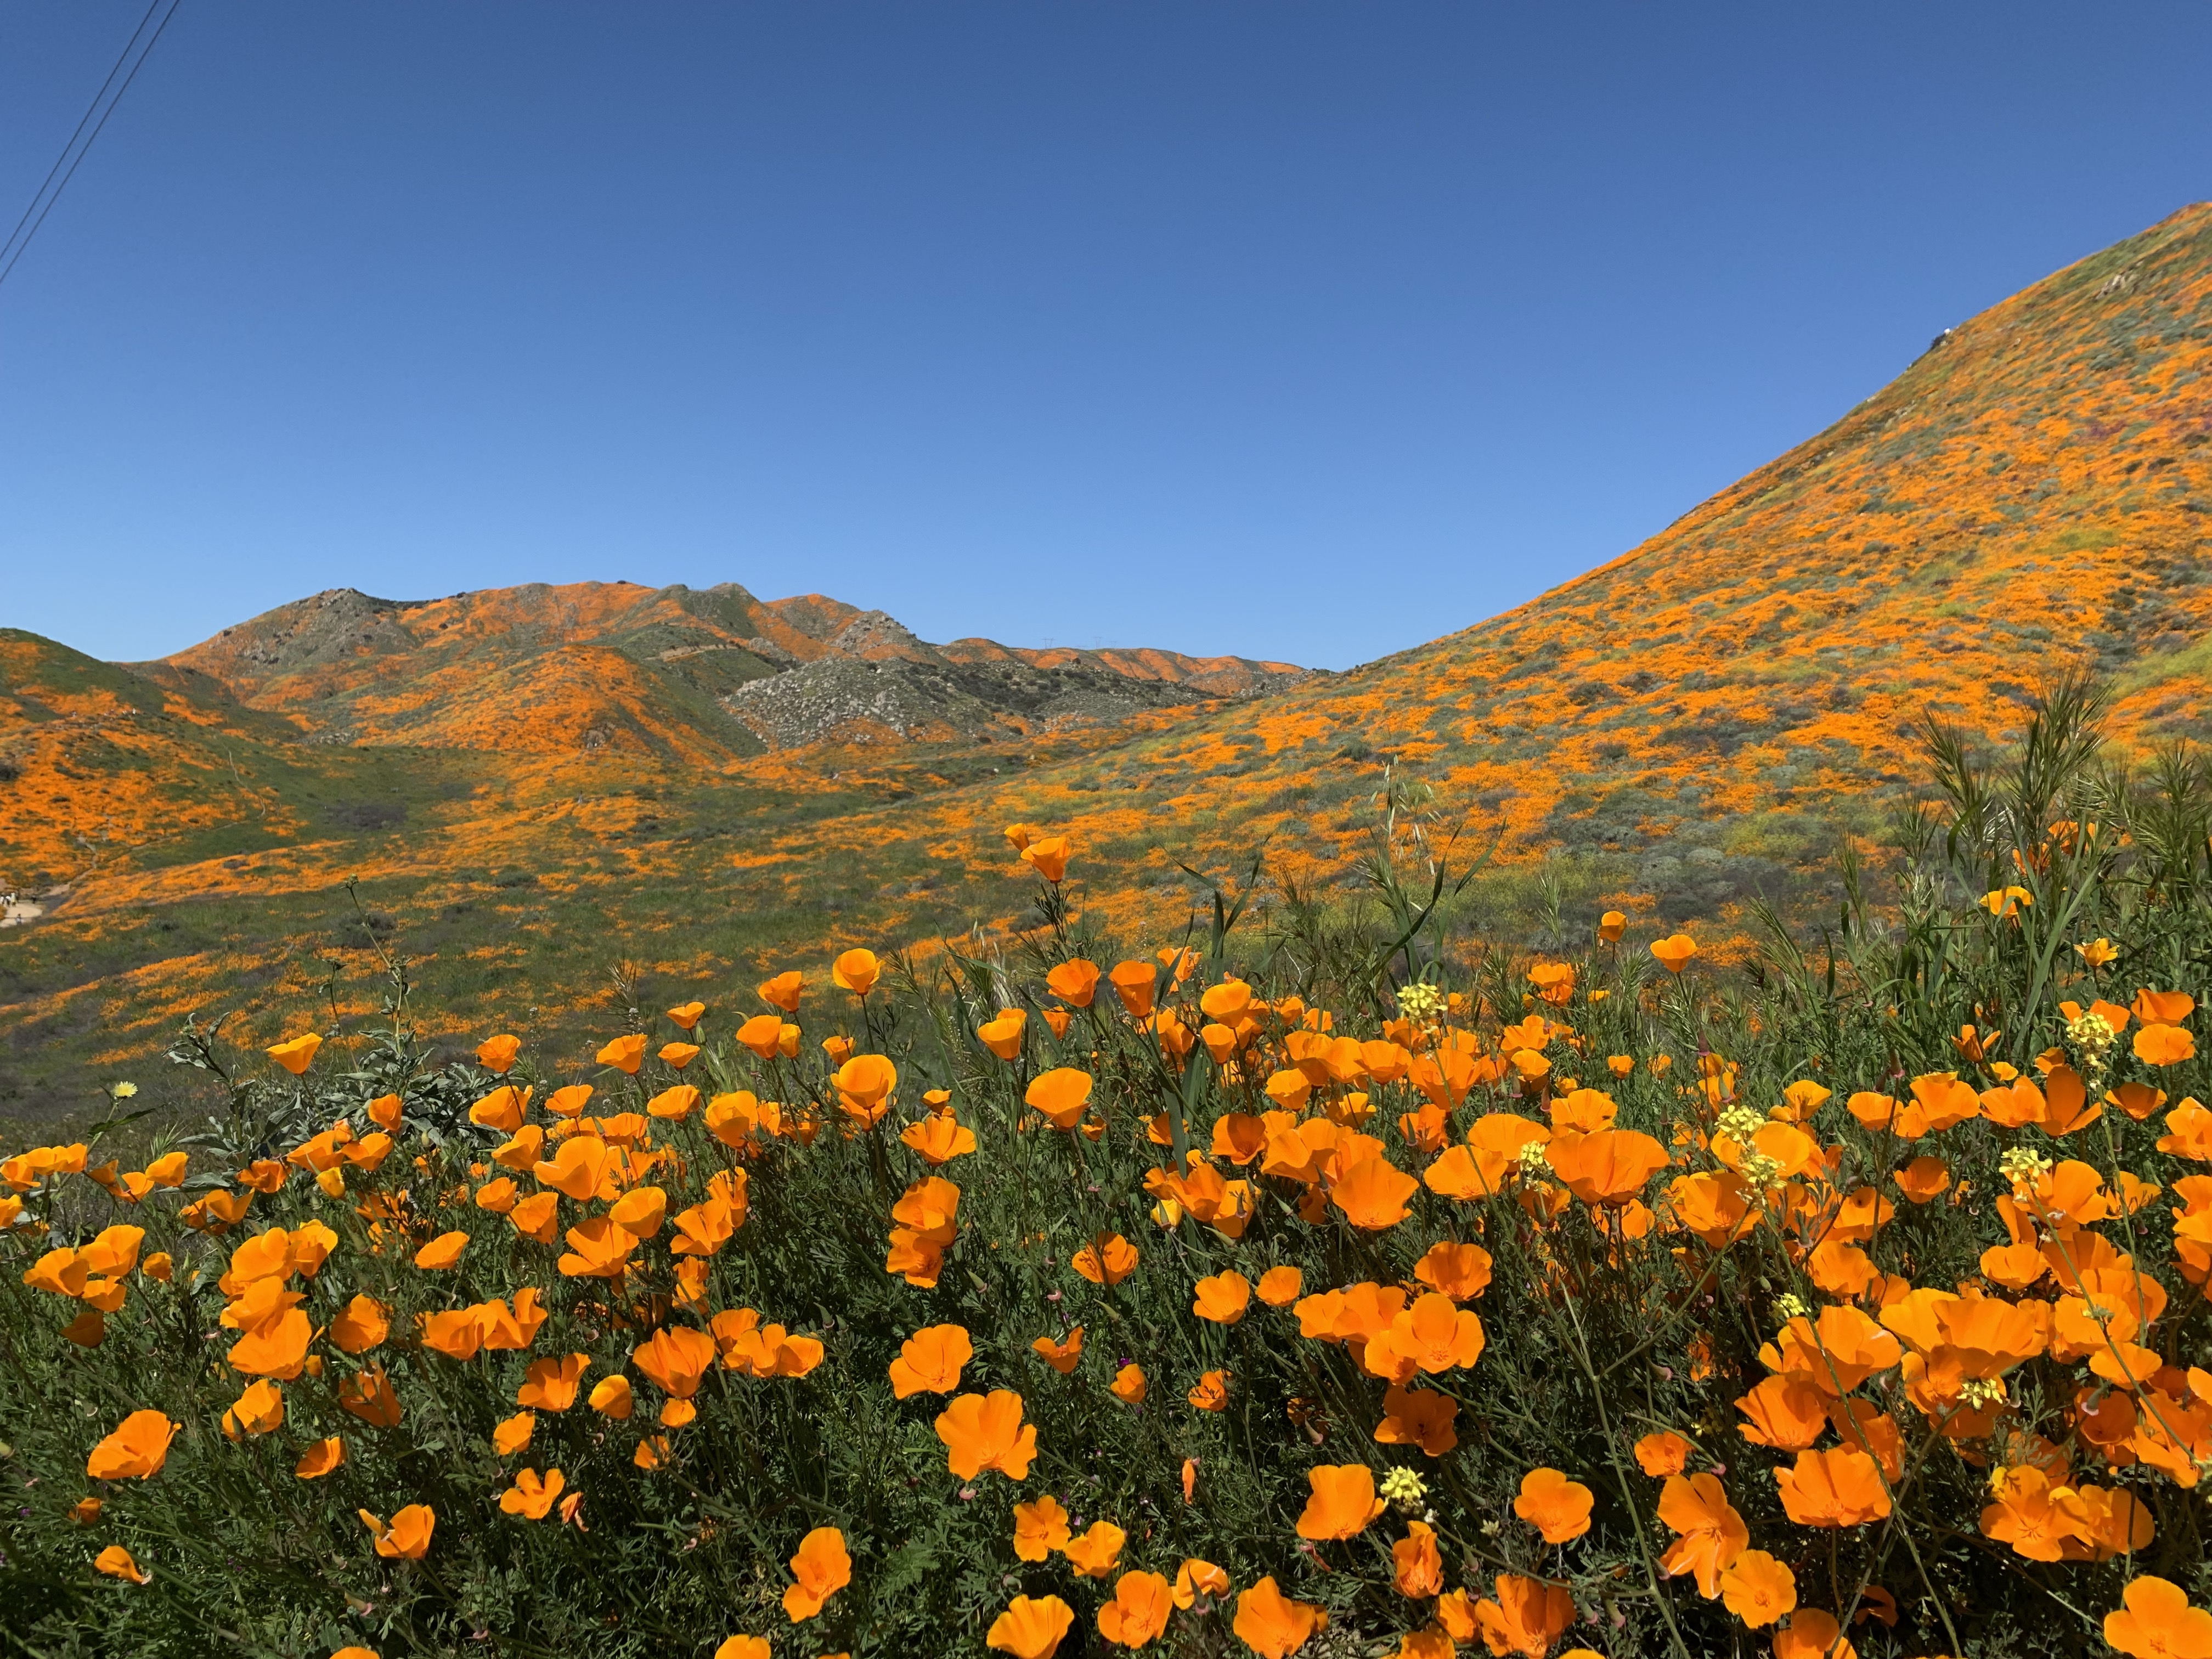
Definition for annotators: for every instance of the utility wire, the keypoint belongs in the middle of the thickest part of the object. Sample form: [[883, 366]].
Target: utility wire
[[19, 239]]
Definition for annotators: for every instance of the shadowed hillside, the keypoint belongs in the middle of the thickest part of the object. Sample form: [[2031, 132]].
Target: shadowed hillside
[[534, 784]]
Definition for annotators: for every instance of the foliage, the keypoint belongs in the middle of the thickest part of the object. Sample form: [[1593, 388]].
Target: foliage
[[1593, 1299]]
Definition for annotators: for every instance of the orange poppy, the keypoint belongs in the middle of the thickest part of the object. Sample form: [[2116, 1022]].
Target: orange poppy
[[1838, 1488], [981, 1433], [1031, 1628], [613, 1397], [1758, 1589], [1373, 1193], [1223, 1297], [742, 1647], [1610, 1167], [597, 1250], [1049, 857], [930, 1361], [1003, 1035], [1196, 1577], [1074, 983], [295, 1053], [1107, 1259], [1097, 1551], [319, 1459], [1061, 1355], [1812, 1634], [675, 1357], [2164, 1045], [1557, 1507], [1662, 1454], [856, 971], [1271, 1623], [1342, 1504], [1138, 1611], [1611, 925], [1134, 982], [117, 1563], [549, 1385], [513, 1435], [369, 1395], [1129, 1385], [1039, 1528], [1062, 1094], [2155, 1621], [136, 1450], [823, 1568], [624, 1054], [939, 1139], [1674, 952], [1711, 1534], [1527, 1617], [1417, 1567], [1419, 1418], [1280, 1286], [408, 1537], [782, 991], [1210, 1393], [531, 1498]]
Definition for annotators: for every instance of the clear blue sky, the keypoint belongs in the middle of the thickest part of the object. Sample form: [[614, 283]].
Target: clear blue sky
[[1298, 330]]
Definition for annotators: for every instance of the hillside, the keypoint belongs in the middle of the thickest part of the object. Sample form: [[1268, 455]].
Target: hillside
[[700, 677], [694, 780]]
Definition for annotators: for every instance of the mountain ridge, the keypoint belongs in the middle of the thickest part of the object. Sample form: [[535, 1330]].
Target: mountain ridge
[[1688, 728]]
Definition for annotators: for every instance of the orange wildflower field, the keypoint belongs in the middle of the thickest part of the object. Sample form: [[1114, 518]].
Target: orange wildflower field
[[535, 785], [1326, 1281]]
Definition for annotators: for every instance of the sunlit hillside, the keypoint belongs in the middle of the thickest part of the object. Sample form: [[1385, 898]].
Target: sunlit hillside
[[1696, 723]]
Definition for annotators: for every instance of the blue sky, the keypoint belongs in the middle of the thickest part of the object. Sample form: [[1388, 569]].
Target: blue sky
[[1310, 331]]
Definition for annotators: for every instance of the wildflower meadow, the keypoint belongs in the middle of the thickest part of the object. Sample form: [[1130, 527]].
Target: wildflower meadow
[[1322, 1279]]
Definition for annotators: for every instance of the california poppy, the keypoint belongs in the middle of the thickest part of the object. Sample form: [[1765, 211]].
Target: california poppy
[[549, 1385], [981, 1433], [1062, 1094], [1813, 1633], [1061, 1354], [1758, 1589], [1049, 857], [1557, 1507], [2155, 1621], [1223, 1297], [1039, 1528], [1129, 1385], [1527, 1617], [117, 1563], [1097, 1551], [1608, 1168], [1417, 1565], [1138, 1611], [1661, 1454], [1031, 1628], [611, 1396], [1209, 1394], [1074, 983], [1280, 1286], [930, 1361], [822, 1568], [1133, 982], [1419, 1417], [295, 1053], [369, 1395], [532, 1496], [1107, 1259], [856, 971], [1272, 1625], [938, 1138], [1712, 1534], [1196, 1578], [1838, 1488], [1342, 1502], [496, 1054], [408, 1537], [320, 1458], [1373, 1194], [1460, 1272], [1674, 951], [136, 1450]]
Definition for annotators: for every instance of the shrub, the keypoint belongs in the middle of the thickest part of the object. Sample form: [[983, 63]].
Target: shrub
[[1252, 1294]]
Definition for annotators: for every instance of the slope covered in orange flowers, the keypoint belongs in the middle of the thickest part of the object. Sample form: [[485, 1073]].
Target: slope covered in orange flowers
[[534, 786]]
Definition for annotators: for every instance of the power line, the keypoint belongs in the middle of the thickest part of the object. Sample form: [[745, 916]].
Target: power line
[[19, 239]]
